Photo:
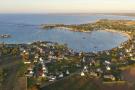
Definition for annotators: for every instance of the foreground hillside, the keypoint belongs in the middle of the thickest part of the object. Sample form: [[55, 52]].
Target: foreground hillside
[[86, 83]]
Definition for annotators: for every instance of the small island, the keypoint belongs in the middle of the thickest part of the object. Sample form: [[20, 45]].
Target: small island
[[5, 36]]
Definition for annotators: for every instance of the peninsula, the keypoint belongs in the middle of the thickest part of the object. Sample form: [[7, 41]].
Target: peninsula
[[117, 25]]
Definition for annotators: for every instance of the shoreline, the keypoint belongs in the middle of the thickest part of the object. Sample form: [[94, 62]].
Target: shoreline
[[121, 14], [71, 29], [108, 30], [115, 31], [123, 33], [104, 30]]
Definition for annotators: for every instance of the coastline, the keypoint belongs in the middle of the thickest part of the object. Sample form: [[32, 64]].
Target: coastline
[[108, 30], [121, 14], [71, 29], [115, 31]]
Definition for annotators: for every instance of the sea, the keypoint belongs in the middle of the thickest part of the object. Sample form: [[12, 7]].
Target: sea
[[26, 28]]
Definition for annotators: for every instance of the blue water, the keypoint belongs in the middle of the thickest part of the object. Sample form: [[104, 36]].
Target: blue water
[[24, 28]]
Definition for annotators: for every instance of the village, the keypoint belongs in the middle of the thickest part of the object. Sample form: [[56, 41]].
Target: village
[[48, 62], [43, 63]]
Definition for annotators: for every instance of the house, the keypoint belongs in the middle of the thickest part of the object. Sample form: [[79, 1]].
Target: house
[[50, 57], [121, 54], [27, 62], [93, 74], [80, 53], [120, 47], [127, 50], [44, 69], [85, 69], [52, 78], [83, 60], [107, 62], [30, 72], [82, 74], [130, 54], [108, 68], [67, 72], [25, 56], [109, 77], [61, 75], [60, 57], [43, 75], [107, 53], [41, 60], [36, 56], [35, 61]]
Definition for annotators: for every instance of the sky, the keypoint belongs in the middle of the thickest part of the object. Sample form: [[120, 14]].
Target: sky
[[66, 6]]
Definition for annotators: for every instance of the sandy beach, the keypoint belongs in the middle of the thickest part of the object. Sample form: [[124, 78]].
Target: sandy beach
[[108, 30], [115, 31]]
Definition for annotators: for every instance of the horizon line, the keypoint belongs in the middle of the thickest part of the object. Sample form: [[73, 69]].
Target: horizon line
[[67, 13]]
